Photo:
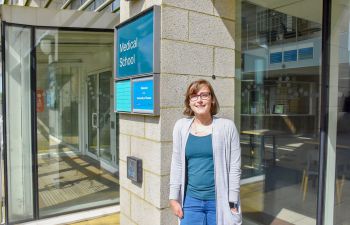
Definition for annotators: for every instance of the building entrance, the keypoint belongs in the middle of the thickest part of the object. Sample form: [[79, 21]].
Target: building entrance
[[99, 97], [61, 146]]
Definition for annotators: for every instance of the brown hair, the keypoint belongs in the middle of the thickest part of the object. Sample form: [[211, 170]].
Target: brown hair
[[192, 89]]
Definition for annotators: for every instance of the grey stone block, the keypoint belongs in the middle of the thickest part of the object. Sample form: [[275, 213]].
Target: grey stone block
[[205, 6], [224, 62], [167, 149], [172, 89], [168, 218], [186, 58], [225, 91], [225, 8], [149, 151], [174, 23], [143, 213], [125, 201], [152, 128], [227, 112], [211, 30], [157, 190], [131, 8], [132, 125], [125, 220], [124, 146], [168, 119]]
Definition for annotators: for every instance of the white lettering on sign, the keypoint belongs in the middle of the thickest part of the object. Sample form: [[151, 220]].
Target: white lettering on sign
[[144, 98], [128, 45], [127, 61], [144, 88]]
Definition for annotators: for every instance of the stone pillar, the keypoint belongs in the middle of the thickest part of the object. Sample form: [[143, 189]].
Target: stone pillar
[[197, 41]]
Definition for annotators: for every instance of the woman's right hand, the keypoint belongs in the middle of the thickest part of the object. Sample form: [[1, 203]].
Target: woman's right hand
[[176, 208]]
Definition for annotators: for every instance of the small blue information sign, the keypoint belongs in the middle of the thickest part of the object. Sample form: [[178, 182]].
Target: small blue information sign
[[143, 95], [135, 46], [122, 90]]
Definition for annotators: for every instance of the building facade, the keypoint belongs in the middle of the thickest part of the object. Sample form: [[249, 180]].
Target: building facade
[[280, 70]]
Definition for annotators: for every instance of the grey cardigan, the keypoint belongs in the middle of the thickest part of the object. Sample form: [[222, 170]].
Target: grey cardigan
[[227, 166]]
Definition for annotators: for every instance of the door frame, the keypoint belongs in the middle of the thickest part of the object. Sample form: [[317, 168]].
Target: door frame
[[110, 166]]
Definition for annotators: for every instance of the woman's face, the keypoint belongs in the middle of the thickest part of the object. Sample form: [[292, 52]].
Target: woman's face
[[200, 103]]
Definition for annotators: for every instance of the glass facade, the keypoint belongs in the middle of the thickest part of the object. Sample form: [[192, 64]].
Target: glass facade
[[338, 162], [50, 168], [278, 90], [278, 110]]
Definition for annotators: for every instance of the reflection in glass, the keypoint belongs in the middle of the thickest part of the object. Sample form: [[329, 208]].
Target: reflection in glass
[[279, 81], [19, 151], [105, 115], [339, 111], [92, 114], [71, 174]]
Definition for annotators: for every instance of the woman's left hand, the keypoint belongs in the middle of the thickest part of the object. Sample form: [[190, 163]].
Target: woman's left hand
[[234, 210]]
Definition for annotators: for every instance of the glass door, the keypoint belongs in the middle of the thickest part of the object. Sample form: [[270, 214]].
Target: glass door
[[92, 116], [69, 176], [99, 142], [105, 115]]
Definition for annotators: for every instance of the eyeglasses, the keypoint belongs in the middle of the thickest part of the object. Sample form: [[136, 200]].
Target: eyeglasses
[[203, 96]]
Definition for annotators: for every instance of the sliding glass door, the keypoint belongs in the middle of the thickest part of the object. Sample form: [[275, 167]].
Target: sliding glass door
[[70, 175], [99, 113]]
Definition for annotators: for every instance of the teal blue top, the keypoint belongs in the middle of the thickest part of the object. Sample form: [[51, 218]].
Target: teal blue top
[[200, 167]]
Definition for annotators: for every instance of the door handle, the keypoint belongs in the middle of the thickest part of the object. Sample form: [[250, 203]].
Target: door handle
[[94, 118]]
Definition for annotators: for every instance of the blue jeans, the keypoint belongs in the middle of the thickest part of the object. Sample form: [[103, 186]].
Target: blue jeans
[[198, 212]]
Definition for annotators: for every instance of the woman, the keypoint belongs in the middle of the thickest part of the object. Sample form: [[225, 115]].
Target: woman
[[205, 168]]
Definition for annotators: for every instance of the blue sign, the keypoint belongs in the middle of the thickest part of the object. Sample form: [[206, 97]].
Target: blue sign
[[143, 95], [290, 55], [275, 57], [135, 46], [122, 90], [306, 53]]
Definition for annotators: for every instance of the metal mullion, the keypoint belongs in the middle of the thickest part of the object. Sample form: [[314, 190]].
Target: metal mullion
[[66, 4], [4, 128], [103, 5], [98, 115], [324, 107], [34, 126], [85, 5], [116, 10], [48, 2]]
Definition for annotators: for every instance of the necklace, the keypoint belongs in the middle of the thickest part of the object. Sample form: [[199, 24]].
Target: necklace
[[202, 129]]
